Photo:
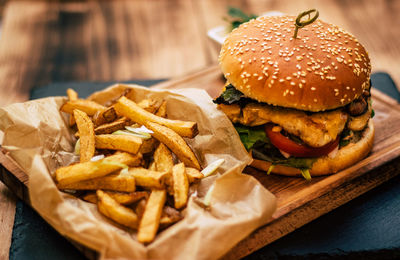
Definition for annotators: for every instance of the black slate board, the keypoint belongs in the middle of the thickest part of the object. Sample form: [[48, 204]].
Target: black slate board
[[354, 230]]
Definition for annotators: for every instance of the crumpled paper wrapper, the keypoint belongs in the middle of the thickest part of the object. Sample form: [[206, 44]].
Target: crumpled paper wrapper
[[38, 138]]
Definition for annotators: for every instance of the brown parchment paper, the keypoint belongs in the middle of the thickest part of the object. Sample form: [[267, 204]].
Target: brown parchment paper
[[38, 138]]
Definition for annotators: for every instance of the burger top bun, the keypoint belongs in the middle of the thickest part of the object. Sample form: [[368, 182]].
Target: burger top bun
[[324, 68]]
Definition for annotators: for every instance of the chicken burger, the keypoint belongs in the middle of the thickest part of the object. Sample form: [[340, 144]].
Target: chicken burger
[[300, 103]]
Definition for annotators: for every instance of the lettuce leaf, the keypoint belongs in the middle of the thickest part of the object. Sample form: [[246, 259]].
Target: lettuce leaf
[[275, 157], [256, 139], [230, 96], [250, 135]]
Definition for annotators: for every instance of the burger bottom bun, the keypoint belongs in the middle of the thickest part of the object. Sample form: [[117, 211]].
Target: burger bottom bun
[[345, 157]]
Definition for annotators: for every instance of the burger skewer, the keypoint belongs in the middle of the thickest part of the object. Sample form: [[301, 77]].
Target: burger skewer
[[314, 86]]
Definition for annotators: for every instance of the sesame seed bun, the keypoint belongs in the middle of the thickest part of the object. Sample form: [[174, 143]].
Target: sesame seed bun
[[345, 157], [324, 68]]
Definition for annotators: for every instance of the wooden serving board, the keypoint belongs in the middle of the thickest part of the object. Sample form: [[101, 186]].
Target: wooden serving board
[[299, 201]]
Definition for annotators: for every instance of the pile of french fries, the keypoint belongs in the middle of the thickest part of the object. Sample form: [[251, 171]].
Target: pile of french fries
[[134, 162]]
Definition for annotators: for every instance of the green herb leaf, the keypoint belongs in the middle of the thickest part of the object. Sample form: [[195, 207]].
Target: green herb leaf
[[256, 139], [271, 167], [240, 16], [271, 154], [349, 136], [372, 113], [343, 143], [229, 96], [251, 135], [236, 24], [306, 174], [236, 12]]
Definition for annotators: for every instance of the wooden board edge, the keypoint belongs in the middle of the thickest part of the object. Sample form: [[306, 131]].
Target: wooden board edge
[[333, 181], [377, 94], [17, 181], [175, 82], [14, 177], [314, 209]]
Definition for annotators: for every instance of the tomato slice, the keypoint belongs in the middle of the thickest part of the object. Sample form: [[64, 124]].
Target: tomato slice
[[295, 149]]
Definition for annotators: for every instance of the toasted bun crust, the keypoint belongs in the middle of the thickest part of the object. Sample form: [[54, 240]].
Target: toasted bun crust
[[324, 68], [345, 157]]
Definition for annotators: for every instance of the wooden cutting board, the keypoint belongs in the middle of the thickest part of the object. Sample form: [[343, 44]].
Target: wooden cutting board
[[299, 201]]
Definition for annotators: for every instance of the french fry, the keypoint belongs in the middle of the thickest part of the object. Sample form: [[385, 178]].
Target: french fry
[[86, 133], [148, 145], [148, 178], [115, 182], [169, 216], [105, 116], [128, 198], [193, 174], [164, 162], [140, 207], [152, 166], [163, 158], [115, 211], [181, 185], [130, 109], [90, 197], [123, 198], [110, 128], [162, 110], [174, 142], [87, 106], [72, 95], [150, 105], [89, 170], [151, 217], [111, 182], [126, 143]]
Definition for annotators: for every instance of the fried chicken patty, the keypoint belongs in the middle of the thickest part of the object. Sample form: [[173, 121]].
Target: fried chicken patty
[[316, 129]]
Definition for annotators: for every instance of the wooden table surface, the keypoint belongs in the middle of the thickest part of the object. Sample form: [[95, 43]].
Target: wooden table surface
[[52, 41]]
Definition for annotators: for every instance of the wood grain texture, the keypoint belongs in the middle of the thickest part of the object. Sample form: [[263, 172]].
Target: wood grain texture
[[47, 41], [299, 201], [7, 212], [50, 41], [44, 42]]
